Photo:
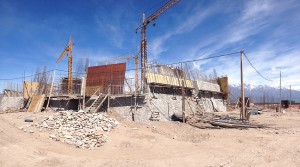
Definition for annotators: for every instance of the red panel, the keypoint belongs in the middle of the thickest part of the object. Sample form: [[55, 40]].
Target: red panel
[[102, 76]]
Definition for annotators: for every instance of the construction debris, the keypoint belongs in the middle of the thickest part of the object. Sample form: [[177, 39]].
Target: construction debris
[[28, 120], [84, 130], [216, 121]]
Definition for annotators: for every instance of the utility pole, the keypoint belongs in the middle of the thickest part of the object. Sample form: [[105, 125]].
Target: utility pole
[[264, 99], [183, 101], [243, 114], [290, 95], [280, 95]]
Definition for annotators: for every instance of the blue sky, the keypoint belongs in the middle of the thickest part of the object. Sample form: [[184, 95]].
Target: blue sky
[[34, 33]]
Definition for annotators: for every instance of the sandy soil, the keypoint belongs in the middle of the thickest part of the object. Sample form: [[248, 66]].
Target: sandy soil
[[157, 144]]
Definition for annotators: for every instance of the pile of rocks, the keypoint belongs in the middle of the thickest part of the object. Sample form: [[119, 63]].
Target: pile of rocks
[[84, 130]]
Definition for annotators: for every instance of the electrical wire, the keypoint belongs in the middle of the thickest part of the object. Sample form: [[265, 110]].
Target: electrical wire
[[26, 76], [176, 63], [255, 68]]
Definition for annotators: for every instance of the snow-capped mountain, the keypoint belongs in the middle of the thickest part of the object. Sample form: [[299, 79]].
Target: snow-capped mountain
[[263, 93]]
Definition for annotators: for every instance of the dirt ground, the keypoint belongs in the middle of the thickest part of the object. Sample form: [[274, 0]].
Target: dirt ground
[[157, 144]]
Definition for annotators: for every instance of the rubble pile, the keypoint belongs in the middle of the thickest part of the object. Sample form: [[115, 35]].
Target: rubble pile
[[84, 130]]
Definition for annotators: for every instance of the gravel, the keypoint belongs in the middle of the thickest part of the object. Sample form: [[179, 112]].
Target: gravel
[[81, 129]]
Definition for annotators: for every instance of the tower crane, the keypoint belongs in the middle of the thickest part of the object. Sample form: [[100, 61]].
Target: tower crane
[[68, 51], [143, 27]]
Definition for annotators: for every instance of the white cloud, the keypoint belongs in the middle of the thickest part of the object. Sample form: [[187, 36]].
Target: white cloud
[[268, 58], [256, 9], [157, 45]]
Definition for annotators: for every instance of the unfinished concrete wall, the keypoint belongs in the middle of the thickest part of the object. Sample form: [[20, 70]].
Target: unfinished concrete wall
[[212, 102], [165, 104], [11, 103], [167, 101], [11, 93], [125, 106]]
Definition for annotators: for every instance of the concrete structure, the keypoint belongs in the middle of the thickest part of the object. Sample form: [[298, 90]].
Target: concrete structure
[[164, 100], [11, 103]]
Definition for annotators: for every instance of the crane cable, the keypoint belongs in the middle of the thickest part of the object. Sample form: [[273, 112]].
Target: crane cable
[[154, 6]]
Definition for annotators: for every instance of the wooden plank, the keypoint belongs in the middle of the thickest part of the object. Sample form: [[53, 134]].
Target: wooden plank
[[37, 103]]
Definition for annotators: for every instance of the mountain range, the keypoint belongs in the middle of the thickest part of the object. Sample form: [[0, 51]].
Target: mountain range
[[263, 93]]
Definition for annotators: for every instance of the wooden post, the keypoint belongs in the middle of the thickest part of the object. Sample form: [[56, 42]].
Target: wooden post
[[169, 111], [108, 98], [183, 101], [136, 62], [290, 97], [133, 112], [83, 86], [280, 95], [243, 112], [51, 89]]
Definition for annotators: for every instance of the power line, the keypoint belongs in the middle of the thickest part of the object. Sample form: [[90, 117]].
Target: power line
[[256, 69], [207, 58], [175, 63], [26, 76]]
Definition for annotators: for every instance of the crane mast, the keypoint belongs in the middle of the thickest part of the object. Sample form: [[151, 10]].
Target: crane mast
[[143, 27], [68, 51]]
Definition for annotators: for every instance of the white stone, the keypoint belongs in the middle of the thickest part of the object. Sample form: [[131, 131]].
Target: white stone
[[44, 124], [78, 143], [52, 136]]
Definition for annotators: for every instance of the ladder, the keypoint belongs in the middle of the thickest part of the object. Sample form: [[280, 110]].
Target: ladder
[[99, 100]]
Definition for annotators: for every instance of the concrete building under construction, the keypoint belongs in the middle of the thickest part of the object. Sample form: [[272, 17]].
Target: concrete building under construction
[[171, 91]]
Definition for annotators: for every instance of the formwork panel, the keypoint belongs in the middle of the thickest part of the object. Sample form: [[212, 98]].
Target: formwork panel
[[102, 76], [168, 80]]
